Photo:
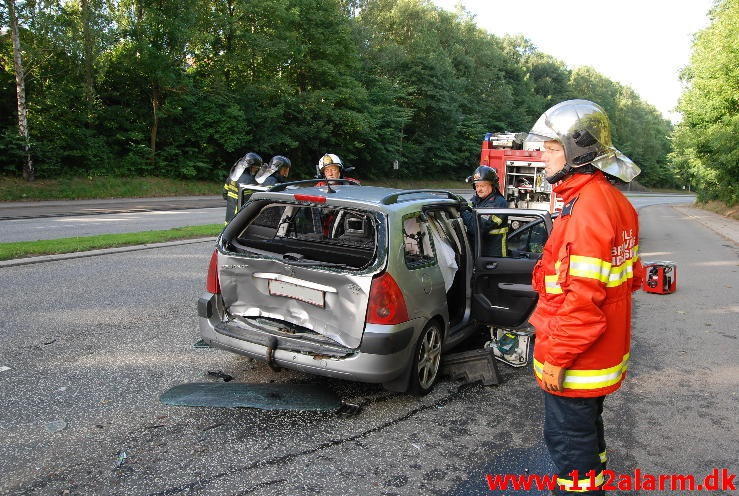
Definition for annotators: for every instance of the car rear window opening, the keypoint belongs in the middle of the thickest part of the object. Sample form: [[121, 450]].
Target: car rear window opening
[[305, 234]]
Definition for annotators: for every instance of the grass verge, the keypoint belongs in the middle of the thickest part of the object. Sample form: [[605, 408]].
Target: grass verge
[[22, 249], [87, 188], [720, 208]]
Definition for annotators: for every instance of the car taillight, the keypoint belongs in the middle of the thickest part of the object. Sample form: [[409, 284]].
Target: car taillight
[[212, 284], [386, 303]]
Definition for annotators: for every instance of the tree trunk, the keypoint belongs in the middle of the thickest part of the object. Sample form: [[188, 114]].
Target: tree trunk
[[29, 173], [89, 57], [155, 122]]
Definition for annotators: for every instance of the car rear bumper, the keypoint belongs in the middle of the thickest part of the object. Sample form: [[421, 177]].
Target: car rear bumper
[[384, 354]]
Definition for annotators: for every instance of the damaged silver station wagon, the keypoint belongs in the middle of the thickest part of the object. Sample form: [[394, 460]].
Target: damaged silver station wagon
[[364, 283]]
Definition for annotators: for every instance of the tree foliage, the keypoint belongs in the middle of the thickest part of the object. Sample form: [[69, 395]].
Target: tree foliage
[[705, 152], [181, 88]]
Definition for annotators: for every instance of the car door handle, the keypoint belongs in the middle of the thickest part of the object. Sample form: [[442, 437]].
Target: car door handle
[[491, 265]]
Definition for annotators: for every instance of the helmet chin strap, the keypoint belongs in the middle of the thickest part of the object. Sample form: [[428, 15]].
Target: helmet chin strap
[[561, 174]]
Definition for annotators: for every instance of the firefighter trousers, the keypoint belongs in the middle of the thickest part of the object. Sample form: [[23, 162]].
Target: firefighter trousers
[[574, 435]]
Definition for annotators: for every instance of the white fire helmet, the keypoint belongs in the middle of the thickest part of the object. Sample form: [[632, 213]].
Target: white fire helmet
[[326, 160]]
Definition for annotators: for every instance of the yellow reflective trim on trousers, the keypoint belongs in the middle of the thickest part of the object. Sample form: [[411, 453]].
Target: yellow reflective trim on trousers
[[590, 379], [583, 484], [502, 230], [496, 219], [233, 195], [230, 187], [603, 457]]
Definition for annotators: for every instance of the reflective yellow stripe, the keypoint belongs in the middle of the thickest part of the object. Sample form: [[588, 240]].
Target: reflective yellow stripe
[[583, 484], [593, 268], [603, 457], [233, 195], [551, 285], [603, 271], [590, 379], [502, 230], [230, 187], [496, 219]]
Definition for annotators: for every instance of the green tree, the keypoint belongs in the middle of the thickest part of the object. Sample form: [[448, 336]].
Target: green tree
[[705, 150]]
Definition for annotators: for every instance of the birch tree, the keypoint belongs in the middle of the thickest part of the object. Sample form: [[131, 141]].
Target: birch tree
[[29, 173]]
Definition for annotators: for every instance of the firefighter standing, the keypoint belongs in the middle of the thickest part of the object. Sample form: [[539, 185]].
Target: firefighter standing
[[242, 173], [494, 228], [585, 278]]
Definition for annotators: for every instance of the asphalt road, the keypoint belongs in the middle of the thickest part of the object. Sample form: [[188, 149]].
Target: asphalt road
[[52, 220], [91, 343]]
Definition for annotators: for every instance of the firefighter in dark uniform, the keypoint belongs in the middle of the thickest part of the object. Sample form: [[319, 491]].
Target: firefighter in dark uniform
[[242, 173], [275, 172], [494, 229]]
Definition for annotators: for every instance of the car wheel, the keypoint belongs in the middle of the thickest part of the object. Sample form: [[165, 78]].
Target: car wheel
[[426, 360]]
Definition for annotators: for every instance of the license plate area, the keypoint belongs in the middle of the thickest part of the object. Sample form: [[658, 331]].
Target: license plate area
[[308, 295]]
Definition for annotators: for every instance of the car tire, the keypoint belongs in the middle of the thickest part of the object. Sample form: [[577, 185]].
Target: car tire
[[426, 360]]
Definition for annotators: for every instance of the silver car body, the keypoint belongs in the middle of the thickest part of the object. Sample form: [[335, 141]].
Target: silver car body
[[294, 311]]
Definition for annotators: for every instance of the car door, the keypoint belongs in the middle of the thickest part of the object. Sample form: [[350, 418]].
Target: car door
[[508, 243]]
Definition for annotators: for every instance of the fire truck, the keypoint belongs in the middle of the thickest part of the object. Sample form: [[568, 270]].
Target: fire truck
[[520, 171]]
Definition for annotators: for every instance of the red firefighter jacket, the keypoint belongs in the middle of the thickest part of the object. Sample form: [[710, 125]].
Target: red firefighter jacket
[[584, 279]]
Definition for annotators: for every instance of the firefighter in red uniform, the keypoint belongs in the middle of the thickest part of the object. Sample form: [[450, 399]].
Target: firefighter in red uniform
[[585, 278]]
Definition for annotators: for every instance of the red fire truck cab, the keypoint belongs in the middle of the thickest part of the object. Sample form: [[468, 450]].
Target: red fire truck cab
[[520, 171]]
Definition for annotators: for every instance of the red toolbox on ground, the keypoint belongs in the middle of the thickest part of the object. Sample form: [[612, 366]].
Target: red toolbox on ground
[[660, 277]]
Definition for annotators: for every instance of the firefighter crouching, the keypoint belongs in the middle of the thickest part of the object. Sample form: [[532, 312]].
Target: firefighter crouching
[[588, 270], [494, 228], [242, 173]]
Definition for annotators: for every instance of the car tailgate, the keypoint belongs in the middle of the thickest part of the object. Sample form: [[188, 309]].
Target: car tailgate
[[331, 303]]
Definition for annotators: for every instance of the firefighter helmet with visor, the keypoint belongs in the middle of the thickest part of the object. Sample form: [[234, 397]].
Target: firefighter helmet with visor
[[245, 163], [278, 162], [584, 131]]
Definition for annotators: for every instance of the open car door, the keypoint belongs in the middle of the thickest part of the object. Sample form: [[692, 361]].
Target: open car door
[[508, 243]]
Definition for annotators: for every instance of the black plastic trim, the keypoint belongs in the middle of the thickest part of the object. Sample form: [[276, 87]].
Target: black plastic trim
[[206, 306], [385, 343]]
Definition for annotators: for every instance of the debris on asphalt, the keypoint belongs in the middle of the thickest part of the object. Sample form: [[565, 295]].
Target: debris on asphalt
[[49, 342], [56, 425], [4, 368], [472, 366], [201, 344], [281, 396], [349, 409], [220, 375], [219, 424], [121, 458]]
